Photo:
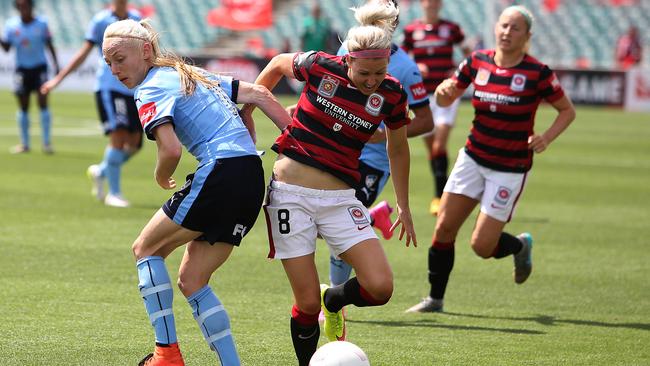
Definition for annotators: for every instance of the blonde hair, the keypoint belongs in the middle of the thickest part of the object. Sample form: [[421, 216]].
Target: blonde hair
[[378, 21], [133, 33]]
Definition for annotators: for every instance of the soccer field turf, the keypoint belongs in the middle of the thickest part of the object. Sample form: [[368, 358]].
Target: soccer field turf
[[68, 281]]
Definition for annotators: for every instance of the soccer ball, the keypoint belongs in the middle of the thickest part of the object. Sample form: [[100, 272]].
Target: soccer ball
[[339, 353]]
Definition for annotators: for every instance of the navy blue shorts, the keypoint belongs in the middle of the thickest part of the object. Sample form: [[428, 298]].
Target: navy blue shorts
[[29, 80], [371, 184], [222, 200], [117, 111]]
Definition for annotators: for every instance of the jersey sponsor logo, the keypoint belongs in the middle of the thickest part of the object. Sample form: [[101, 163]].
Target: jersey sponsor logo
[[482, 77], [358, 217], [374, 104], [337, 127], [502, 196], [147, 112], [328, 86], [418, 90], [518, 82]]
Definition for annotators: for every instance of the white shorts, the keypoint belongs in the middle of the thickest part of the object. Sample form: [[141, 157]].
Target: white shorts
[[497, 191], [444, 115], [295, 215]]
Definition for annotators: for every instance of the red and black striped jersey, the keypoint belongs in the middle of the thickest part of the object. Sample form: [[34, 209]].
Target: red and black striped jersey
[[333, 119], [433, 45], [505, 101]]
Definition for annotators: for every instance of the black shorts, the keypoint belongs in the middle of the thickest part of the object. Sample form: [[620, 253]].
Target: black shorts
[[29, 80], [117, 111], [370, 184], [221, 200]]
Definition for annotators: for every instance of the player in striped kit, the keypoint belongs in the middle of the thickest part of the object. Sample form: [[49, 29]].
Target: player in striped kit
[[492, 168], [430, 41], [180, 105], [342, 104], [29, 36]]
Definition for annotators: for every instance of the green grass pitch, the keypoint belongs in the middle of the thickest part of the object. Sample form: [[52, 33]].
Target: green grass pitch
[[68, 284]]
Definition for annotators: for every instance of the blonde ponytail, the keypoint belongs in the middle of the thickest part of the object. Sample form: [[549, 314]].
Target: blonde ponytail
[[378, 21]]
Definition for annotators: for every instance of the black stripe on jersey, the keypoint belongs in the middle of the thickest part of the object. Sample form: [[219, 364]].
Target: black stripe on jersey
[[499, 133], [517, 154], [309, 138], [509, 117], [506, 80], [321, 130], [524, 65], [520, 168]]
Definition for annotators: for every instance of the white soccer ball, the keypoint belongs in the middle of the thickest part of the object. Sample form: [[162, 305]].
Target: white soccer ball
[[339, 353]]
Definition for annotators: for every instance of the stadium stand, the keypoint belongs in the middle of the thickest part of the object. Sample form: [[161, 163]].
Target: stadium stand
[[183, 23], [577, 31]]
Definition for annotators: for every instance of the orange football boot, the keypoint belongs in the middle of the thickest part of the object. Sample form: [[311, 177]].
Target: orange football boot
[[164, 356]]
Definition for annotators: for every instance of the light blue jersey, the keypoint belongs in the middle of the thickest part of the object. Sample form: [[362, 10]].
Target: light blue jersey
[[29, 40], [95, 34], [207, 122], [406, 71]]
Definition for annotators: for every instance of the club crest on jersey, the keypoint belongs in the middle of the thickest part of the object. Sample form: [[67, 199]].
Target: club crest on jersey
[[147, 112], [418, 35], [374, 104], [371, 179], [358, 216], [328, 86], [444, 31], [518, 82], [482, 77], [337, 127], [503, 195]]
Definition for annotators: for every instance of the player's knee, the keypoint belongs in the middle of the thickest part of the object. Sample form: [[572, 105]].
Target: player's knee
[[482, 248], [189, 284], [444, 232], [380, 289], [137, 248], [309, 306]]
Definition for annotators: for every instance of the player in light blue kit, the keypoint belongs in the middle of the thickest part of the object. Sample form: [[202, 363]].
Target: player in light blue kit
[[117, 111], [374, 165], [181, 105], [29, 36]]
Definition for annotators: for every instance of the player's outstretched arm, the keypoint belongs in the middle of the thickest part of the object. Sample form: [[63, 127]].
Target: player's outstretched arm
[[76, 61], [399, 156], [260, 96]]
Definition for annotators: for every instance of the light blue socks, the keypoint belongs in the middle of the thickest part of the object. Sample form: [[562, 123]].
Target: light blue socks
[[46, 126], [339, 271], [23, 125], [215, 325], [156, 290]]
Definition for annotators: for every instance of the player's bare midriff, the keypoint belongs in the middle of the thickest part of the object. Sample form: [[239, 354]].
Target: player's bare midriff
[[293, 172]]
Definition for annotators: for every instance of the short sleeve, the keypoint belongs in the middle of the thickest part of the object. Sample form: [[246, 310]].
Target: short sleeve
[[549, 86], [302, 63], [463, 74], [400, 116], [155, 107], [92, 32], [459, 36], [228, 84], [47, 35], [414, 87]]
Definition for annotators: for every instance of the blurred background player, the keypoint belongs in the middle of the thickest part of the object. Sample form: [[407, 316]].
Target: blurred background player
[[181, 105], [629, 50], [374, 165], [29, 35], [342, 104], [117, 111], [430, 41], [492, 168]]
